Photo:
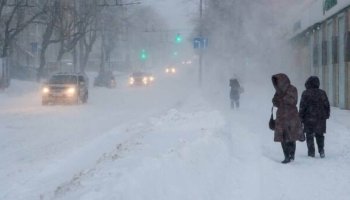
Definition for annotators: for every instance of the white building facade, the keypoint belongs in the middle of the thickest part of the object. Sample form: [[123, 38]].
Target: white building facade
[[321, 43]]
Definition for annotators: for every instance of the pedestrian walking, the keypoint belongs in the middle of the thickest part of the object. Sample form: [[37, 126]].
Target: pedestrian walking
[[235, 92], [314, 110], [287, 127]]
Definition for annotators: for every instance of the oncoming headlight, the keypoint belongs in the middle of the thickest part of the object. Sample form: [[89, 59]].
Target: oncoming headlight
[[151, 78], [131, 80], [46, 90], [71, 91], [167, 70], [173, 70], [145, 80]]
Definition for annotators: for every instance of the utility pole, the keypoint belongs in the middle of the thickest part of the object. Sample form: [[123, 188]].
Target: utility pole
[[75, 60], [127, 37], [200, 70]]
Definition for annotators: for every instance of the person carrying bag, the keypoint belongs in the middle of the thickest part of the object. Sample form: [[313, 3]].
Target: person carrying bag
[[287, 126]]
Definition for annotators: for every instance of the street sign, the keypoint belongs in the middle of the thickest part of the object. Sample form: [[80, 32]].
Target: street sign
[[200, 43]]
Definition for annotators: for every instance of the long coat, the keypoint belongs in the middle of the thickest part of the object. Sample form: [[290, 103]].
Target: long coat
[[314, 107], [288, 125], [235, 89]]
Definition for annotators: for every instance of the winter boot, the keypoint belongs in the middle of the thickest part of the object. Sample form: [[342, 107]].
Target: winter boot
[[286, 160], [311, 154], [291, 158], [286, 152], [322, 155], [320, 144], [232, 104]]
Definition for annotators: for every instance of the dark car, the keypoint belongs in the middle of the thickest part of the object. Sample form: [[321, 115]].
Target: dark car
[[106, 79], [140, 79], [67, 88]]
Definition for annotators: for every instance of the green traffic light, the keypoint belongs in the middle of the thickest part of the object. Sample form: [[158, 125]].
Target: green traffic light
[[143, 54], [178, 38]]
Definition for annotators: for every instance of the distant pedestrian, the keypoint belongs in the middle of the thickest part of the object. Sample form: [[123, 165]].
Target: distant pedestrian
[[235, 92], [314, 110], [287, 125]]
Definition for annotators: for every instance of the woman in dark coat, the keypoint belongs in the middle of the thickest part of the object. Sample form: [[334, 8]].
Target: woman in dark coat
[[288, 126], [314, 110]]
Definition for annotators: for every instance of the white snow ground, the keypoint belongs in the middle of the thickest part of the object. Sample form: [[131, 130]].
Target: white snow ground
[[169, 141]]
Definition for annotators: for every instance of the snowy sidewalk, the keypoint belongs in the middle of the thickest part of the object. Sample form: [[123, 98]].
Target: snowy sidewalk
[[195, 152]]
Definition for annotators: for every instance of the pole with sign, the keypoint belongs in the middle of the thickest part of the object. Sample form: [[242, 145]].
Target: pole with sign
[[201, 49]]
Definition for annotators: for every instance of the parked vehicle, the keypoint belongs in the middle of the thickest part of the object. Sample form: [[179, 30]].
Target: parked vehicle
[[66, 88]]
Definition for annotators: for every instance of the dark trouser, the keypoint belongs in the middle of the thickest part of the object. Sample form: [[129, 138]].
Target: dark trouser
[[310, 142], [233, 102], [288, 150]]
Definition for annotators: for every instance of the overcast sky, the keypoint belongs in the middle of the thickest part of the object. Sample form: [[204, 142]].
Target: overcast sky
[[178, 13]]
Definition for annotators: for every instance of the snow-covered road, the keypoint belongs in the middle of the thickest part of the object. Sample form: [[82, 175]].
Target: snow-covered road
[[169, 141]]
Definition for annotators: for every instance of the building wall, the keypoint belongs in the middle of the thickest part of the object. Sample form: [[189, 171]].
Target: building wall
[[325, 52]]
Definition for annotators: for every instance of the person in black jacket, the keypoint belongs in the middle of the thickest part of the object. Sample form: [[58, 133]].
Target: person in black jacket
[[314, 110], [235, 93]]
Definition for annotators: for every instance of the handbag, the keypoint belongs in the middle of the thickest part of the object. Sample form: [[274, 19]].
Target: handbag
[[302, 136], [272, 122]]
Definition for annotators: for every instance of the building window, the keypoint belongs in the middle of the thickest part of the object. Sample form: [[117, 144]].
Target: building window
[[335, 49], [297, 26], [328, 4], [347, 47], [324, 53]]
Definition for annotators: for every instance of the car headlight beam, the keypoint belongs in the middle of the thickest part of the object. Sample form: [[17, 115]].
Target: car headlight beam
[[46, 90], [145, 80], [71, 91], [131, 80]]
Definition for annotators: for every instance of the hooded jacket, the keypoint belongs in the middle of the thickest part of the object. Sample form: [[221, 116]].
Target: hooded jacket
[[314, 107], [288, 125]]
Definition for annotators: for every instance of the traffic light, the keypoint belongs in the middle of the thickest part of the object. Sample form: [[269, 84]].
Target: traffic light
[[178, 38], [143, 55]]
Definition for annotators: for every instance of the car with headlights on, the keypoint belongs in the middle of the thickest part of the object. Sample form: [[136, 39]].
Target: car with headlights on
[[170, 70], [140, 79], [66, 88], [150, 77]]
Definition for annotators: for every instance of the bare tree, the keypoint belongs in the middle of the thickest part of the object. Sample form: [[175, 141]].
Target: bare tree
[[49, 20], [88, 40], [15, 16], [86, 45], [67, 23], [72, 26], [109, 30]]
